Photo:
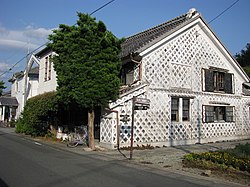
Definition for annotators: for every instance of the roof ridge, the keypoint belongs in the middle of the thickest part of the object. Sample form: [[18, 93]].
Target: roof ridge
[[152, 28]]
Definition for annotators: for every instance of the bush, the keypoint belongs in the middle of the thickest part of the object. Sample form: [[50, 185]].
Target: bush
[[38, 112], [238, 157]]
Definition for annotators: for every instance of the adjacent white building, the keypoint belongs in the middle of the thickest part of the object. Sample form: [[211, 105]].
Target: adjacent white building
[[18, 85], [47, 74], [8, 106], [40, 79]]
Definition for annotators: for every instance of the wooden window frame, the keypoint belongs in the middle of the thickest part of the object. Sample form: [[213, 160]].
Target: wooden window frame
[[219, 81]]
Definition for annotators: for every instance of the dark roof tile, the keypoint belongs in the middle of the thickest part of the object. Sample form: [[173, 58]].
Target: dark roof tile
[[145, 39], [8, 101]]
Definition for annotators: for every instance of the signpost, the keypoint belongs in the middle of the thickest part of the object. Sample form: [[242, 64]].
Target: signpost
[[137, 104]]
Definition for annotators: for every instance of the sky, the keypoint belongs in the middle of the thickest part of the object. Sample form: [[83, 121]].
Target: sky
[[25, 24]]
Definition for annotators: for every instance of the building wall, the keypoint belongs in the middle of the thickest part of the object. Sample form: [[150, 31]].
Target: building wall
[[47, 81], [174, 69], [32, 87], [17, 90], [35, 85]]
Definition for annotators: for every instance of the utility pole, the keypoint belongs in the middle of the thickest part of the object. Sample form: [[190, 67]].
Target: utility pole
[[137, 104], [132, 129], [26, 78]]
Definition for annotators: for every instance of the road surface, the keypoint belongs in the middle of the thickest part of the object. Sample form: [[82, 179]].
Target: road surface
[[25, 162]]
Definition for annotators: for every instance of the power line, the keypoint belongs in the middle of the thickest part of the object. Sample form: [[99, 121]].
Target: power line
[[98, 9], [223, 11], [101, 7], [12, 67]]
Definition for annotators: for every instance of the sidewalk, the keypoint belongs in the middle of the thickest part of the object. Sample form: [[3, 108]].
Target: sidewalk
[[164, 158], [170, 158]]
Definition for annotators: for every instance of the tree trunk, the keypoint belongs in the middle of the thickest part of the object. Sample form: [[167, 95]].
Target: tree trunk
[[91, 139]]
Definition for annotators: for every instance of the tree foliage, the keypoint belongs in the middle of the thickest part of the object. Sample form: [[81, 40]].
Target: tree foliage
[[2, 87], [87, 64], [244, 56], [244, 59], [38, 113]]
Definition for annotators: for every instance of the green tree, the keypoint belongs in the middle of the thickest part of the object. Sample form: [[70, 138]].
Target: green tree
[[2, 87], [87, 65], [244, 59]]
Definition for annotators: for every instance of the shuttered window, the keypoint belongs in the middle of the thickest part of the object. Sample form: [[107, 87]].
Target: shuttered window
[[218, 81], [219, 114]]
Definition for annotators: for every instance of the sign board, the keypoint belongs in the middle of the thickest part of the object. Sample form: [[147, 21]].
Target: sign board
[[141, 107], [141, 104], [143, 101]]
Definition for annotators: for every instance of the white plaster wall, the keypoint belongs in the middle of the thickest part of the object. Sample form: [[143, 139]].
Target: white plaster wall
[[33, 87], [18, 93], [174, 68], [49, 85]]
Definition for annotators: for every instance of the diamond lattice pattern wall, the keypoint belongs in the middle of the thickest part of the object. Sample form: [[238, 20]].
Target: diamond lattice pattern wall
[[175, 69]]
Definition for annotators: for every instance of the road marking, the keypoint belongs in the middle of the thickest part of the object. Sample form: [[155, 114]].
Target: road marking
[[37, 143]]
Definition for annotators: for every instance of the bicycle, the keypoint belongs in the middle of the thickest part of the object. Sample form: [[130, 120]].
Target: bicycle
[[79, 137]]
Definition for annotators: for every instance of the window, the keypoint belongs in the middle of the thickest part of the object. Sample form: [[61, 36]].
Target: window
[[175, 109], [49, 70], [180, 109], [218, 114], [185, 109], [46, 69], [130, 73], [217, 81]]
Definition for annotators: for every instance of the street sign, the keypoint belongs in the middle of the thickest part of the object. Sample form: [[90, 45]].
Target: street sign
[[141, 104], [142, 101], [141, 107]]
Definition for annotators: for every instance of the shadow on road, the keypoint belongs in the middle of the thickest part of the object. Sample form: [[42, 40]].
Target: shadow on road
[[121, 153], [3, 184]]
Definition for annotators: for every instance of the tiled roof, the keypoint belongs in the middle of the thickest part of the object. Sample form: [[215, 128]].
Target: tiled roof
[[33, 71], [8, 101], [145, 39]]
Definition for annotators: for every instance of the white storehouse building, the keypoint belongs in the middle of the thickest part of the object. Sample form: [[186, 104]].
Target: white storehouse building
[[198, 92]]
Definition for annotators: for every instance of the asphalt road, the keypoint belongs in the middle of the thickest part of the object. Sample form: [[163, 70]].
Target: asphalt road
[[24, 162]]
